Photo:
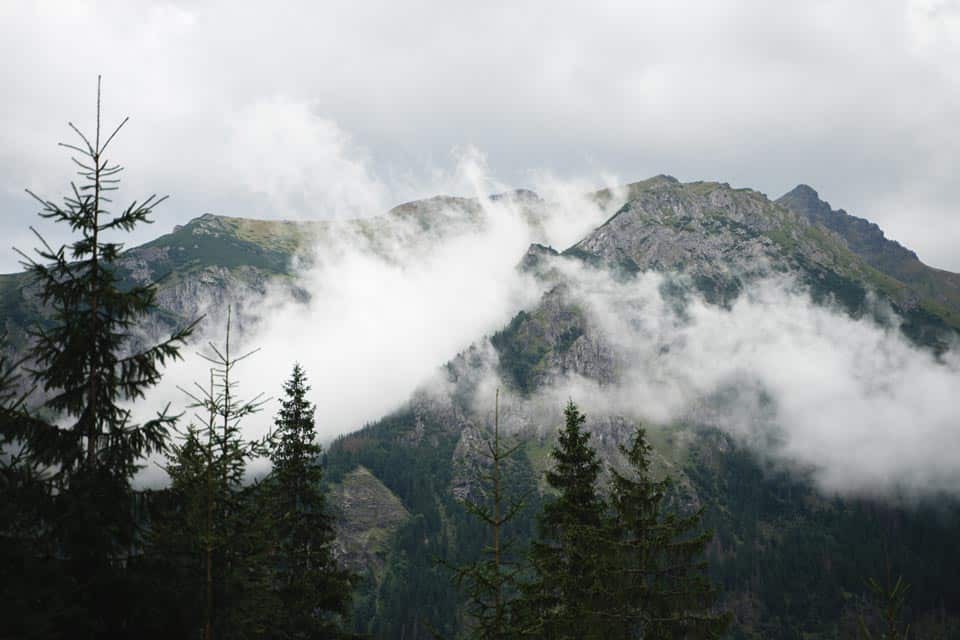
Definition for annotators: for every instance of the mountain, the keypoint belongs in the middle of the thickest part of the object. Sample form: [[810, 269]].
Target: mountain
[[866, 239], [723, 236], [790, 557], [213, 259]]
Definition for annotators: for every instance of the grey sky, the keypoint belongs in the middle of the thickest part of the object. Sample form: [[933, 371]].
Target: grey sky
[[313, 109]]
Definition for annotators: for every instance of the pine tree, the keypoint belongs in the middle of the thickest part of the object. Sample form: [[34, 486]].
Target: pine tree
[[889, 602], [87, 365], [657, 574], [567, 599], [313, 593], [491, 583], [229, 523]]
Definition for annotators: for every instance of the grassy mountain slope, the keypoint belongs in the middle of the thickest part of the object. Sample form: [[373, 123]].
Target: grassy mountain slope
[[213, 260], [867, 240]]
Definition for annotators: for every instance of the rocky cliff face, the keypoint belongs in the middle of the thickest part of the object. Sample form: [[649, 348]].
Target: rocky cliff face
[[368, 514], [718, 240], [868, 241]]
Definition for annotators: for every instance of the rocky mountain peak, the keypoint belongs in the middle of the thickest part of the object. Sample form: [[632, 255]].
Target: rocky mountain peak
[[805, 200], [867, 240], [705, 228], [804, 195]]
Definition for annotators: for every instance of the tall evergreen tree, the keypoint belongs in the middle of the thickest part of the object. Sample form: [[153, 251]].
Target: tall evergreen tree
[[492, 582], [223, 518], [567, 598], [88, 367], [657, 575], [313, 593]]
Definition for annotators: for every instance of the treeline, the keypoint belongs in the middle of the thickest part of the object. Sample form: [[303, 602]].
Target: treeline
[[84, 554], [614, 564]]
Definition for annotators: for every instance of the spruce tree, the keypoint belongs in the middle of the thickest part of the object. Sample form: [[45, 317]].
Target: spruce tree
[[888, 602], [221, 513], [313, 594], [567, 597], [491, 583], [88, 366], [657, 575], [208, 544]]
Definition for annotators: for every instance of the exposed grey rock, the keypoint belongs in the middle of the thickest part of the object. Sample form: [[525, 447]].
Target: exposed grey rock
[[368, 514], [867, 240]]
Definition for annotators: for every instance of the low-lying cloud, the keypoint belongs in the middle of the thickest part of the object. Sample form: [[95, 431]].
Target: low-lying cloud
[[851, 400], [389, 302]]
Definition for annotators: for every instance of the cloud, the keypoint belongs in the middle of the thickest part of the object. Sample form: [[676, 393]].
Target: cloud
[[848, 399], [858, 99], [302, 166], [389, 302]]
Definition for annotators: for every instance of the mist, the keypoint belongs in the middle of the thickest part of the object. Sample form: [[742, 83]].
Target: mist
[[387, 303], [850, 401]]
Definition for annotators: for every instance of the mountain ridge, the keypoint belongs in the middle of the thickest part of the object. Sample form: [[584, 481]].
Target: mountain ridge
[[227, 254], [868, 240], [784, 553]]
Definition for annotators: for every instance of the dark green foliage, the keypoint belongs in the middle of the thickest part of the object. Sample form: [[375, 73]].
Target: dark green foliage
[[210, 543], [180, 536], [410, 453], [80, 361], [791, 560], [491, 582], [718, 290], [312, 592], [233, 533], [657, 572], [415, 593], [890, 601], [829, 286], [28, 574], [83, 528], [787, 560], [519, 354], [567, 597], [524, 344]]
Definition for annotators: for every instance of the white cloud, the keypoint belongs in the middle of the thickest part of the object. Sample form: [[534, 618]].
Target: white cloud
[[849, 399], [302, 165], [389, 303], [858, 99]]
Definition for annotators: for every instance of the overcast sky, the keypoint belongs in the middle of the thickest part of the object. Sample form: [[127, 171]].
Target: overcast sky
[[319, 109]]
